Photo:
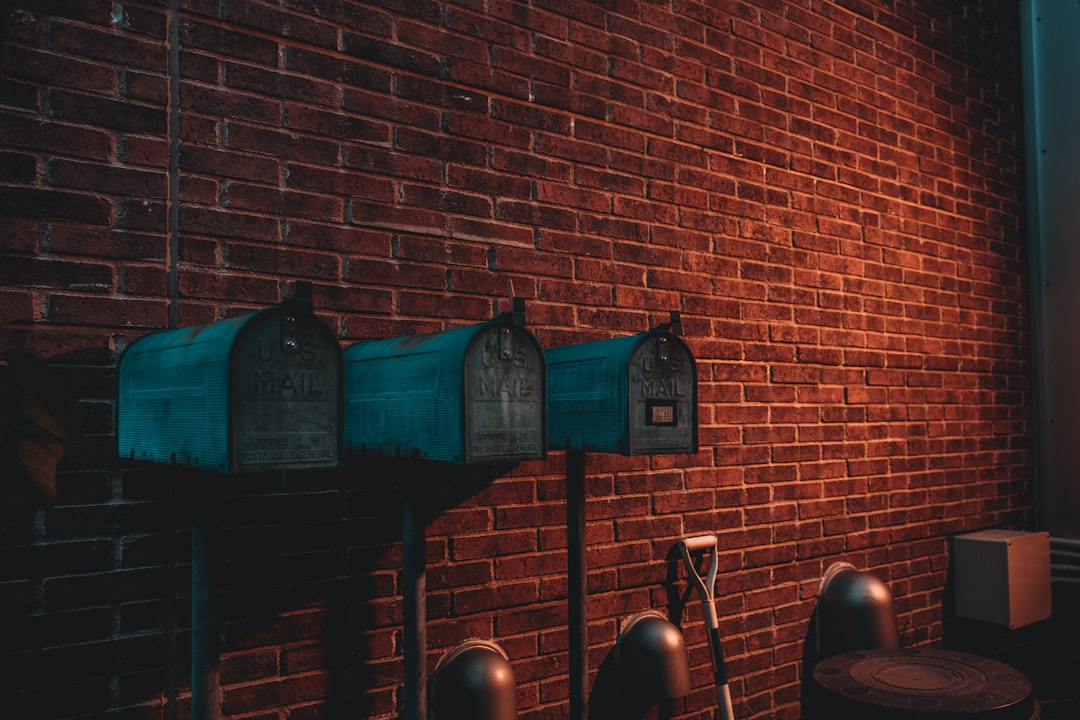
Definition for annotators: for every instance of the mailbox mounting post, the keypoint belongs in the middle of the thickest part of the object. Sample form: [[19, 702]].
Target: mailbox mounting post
[[254, 393], [633, 395], [473, 395], [576, 581]]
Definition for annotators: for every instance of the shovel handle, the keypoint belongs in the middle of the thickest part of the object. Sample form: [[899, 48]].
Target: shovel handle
[[699, 542], [705, 585]]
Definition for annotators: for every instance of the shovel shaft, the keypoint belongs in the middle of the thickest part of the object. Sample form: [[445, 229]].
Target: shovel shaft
[[719, 671], [724, 698], [707, 543]]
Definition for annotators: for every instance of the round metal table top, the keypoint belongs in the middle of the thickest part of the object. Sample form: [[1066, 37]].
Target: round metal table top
[[922, 682]]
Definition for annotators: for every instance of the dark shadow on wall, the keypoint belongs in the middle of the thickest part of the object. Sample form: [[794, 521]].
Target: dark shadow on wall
[[95, 593], [314, 566]]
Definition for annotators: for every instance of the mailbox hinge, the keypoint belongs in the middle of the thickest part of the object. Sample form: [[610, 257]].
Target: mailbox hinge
[[506, 343], [673, 326], [289, 343], [516, 315], [663, 347], [298, 304], [663, 350]]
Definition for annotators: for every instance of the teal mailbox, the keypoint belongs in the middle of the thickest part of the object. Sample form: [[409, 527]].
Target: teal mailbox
[[469, 395], [253, 393], [634, 395]]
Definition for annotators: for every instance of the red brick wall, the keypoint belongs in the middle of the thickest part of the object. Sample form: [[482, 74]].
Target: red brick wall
[[829, 192]]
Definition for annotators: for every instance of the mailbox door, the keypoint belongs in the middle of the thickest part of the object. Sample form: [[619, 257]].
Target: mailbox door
[[505, 396], [663, 396], [286, 394]]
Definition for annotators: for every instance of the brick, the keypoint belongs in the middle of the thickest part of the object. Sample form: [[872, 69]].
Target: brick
[[213, 286], [96, 311], [212, 161], [40, 68], [229, 43], [281, 145], [391, 54], [263, 259], [123, 50], [340, 70], [228, 224], [17, 167], [150, 88], [106, 178], [273, 83], [272, 201], [533, 214], [434, 146], [105, 112], [326, 123], [54, 137], [269, 19], [48, 204]]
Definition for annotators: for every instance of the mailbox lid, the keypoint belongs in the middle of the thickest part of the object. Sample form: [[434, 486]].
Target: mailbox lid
[[468, 395], [257, 392], [632, 395], [403, 396], [173, 395], [588, 400]]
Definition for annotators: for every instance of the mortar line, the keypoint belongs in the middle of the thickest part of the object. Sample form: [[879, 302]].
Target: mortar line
[[173, 129]]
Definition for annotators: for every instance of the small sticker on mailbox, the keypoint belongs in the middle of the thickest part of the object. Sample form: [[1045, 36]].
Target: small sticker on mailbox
[[659, 413]]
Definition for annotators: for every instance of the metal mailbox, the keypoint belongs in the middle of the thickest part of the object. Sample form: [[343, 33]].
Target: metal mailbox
[[634, 395], [253, 393], [470, 395]]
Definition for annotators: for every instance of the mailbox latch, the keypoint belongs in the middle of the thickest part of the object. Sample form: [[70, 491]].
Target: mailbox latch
[[289, 343], [663, 350], [299, 304], [506, 343]]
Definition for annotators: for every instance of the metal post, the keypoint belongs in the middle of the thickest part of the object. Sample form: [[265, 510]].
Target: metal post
[[413, 589], [576, 584], [205, 641]]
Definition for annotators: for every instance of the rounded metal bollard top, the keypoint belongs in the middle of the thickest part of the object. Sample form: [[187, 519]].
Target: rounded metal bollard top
[[474, 681], [653, 661], [855, 612]]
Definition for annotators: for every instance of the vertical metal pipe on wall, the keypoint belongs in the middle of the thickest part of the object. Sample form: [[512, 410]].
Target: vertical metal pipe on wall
[[577, 619], [1051, 63], [413, 589], [205, 626]]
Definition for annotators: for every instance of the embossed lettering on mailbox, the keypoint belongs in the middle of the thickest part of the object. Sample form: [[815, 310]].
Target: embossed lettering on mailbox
[[504, 390], [661, 397], [284, 380]]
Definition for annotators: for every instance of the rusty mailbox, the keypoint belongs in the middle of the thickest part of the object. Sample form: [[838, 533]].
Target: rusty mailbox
[[634, 395], [253, 393], [470, 395]]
